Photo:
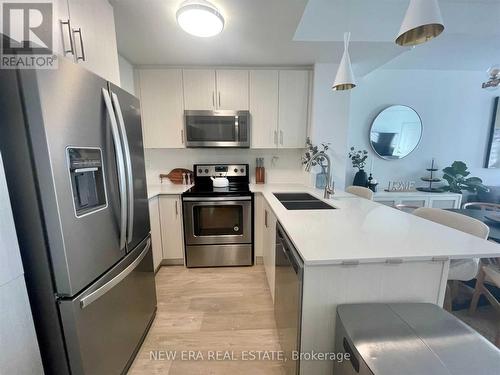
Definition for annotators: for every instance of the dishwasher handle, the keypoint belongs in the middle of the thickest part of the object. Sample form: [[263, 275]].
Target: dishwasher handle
[[289, 251]]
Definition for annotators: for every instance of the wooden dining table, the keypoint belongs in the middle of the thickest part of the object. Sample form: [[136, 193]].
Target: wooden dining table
[[481, 215]]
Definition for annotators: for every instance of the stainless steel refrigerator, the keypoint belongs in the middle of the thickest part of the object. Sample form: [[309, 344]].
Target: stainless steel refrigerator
[[73, 151]]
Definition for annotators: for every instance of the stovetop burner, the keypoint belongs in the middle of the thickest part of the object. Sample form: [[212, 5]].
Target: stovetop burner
[[210, 190], [237, 174]]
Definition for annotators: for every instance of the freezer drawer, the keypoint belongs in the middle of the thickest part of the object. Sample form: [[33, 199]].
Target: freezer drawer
[[104, 325]]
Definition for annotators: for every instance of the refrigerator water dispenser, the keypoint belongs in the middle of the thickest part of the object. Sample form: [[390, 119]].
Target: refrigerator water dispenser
[[87, 180]]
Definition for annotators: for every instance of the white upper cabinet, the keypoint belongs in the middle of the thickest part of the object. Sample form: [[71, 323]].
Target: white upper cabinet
[[264, 108], [278, 101], [293, 108], [207, 89], [63, 43], [162, 108], [92, 26], [232, 89], [199, 89]]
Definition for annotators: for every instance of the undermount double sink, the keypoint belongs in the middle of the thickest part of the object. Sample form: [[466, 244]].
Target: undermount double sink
[[302, 201]]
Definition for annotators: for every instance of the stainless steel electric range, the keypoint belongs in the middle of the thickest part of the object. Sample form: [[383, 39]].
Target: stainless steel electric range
[[218, 227]]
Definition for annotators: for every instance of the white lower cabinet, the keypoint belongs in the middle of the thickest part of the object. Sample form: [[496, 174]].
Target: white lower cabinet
[[265, 237], [154, 219], [172, 233], [167, 235], [269, 249], [419, 199]]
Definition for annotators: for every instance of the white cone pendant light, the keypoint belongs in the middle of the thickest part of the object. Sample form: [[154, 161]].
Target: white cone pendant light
[[422, 22], [344, 80]]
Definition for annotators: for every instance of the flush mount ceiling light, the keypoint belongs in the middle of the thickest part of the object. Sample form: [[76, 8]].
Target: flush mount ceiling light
[[200, 18], [422, 22], [494, 78], [344, 80]]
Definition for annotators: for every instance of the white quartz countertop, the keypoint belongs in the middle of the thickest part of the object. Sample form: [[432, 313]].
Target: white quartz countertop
[[363, 231], [359, 230], [166, 189]]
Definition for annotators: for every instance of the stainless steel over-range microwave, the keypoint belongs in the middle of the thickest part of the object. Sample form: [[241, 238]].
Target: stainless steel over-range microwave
[[217, 128]]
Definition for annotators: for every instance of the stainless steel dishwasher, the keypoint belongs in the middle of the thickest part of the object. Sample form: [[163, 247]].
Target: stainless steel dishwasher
[[288, 298]]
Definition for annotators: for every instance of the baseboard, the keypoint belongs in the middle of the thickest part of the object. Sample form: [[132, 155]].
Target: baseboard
[[259, 260], [172, 262]]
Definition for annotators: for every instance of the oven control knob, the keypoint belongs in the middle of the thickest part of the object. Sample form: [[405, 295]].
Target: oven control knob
[[200, 170], [236, 228], [206, 170], [235, 170], [242, 170]]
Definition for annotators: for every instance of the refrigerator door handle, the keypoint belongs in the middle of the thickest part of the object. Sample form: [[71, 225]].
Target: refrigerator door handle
[[98, 293], [121, 167], [128, 164]]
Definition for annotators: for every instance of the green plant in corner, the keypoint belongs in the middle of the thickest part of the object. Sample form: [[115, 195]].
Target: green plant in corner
[[457, 177], [313, 150], [358, 158]]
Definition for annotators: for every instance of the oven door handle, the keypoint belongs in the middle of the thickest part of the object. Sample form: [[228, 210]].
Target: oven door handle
[[215, 199]]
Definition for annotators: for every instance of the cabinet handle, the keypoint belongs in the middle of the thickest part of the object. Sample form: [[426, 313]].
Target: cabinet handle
[[219, 100], [281, 137], [265, 218], [176, 209], [71, 47], [79, 32], [213, 99], [182, 136], [276, 137]]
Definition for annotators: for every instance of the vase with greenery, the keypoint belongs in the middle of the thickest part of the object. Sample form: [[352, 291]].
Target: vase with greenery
[[457, 176], [312, 150], [358, 159]]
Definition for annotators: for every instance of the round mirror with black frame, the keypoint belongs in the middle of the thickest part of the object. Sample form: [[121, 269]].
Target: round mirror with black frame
[[396, 132]]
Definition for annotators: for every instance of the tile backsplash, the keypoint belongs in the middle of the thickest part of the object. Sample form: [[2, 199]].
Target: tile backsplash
[[282, 165]]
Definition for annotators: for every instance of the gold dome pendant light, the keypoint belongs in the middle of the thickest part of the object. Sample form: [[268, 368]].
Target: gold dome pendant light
[[344, 80], [422, 22]]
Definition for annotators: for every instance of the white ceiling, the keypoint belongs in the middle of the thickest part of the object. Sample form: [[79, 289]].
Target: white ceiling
[[471, 40], [257, 32], [302, 32]]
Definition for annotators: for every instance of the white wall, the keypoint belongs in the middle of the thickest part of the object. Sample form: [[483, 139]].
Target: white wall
[[330, 118], [126, 75], [456, 115], [286, 167], [18, 342]]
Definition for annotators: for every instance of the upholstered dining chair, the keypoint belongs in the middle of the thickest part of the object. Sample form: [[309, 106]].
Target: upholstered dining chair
[[489, 274], [360, 192], [460, 269], [409, 208], [482, 206]]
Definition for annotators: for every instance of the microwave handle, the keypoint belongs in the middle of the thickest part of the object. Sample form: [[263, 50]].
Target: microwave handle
[[236, 129]]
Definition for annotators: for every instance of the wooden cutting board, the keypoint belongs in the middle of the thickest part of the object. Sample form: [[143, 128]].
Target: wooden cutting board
[[175, 175]]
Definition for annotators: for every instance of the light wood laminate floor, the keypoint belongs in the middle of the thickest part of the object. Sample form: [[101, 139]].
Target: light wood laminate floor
[[212, 311]]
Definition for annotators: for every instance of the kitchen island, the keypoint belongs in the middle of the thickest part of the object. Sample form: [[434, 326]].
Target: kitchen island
[[361, 251]]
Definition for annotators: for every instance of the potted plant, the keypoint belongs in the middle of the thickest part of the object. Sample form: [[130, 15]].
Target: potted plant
[[312, 150], [358, 159], [456, 176]]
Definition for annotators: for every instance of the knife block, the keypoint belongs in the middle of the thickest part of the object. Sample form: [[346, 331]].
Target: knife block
[[260, 175]]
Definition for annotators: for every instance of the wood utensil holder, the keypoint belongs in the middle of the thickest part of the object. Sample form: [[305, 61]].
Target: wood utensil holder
[[260, 175]]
